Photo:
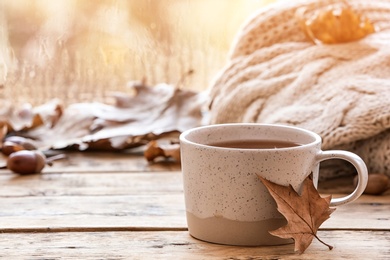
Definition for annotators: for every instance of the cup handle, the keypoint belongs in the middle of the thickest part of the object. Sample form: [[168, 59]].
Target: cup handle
[[359, 165]]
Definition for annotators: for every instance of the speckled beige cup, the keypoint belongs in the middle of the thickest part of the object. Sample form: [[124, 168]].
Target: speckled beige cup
[[225, 201]]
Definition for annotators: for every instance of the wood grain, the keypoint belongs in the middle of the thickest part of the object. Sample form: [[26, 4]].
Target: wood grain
[[118, 206], [180, 245], [134, 200], [91, 184], [94, 162], [75, 212]]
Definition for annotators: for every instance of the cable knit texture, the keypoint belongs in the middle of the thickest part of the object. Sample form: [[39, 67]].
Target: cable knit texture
[[275, 74]]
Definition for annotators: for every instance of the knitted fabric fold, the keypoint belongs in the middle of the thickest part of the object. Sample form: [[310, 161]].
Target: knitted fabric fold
[[275, 74]]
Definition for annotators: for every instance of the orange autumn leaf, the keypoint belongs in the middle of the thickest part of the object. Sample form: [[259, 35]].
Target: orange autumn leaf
[[304, 213], [337, 23]]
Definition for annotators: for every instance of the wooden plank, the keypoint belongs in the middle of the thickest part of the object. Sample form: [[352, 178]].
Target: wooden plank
[[104, 182], [75, 212], [98, 200], [149, 211], [179, 245], [366, 213], [342, 185], [104, 162], [72, 184]]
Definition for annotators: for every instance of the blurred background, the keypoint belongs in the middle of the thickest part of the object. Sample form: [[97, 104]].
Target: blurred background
[[80, 50]]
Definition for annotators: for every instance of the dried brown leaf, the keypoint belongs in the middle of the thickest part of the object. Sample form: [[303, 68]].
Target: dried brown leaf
[[18, 118], [154, 151], [304, 213], [26, 117]]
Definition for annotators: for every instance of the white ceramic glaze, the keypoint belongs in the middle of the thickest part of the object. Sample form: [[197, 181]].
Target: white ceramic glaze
[[223, 184]]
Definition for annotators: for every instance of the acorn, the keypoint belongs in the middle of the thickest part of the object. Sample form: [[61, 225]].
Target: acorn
[[9, 147], [13, 144], [26, 162], [377, 184]]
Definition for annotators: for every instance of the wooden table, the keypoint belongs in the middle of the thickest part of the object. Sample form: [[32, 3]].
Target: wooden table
[[117, 206]]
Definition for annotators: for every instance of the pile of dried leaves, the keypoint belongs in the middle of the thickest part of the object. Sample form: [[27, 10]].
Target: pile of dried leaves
[[145, 113]]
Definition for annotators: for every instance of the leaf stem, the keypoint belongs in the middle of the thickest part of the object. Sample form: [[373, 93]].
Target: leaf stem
[[329, 246]]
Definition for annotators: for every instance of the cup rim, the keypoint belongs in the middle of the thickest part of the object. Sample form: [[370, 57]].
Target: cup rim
[[183, 136]]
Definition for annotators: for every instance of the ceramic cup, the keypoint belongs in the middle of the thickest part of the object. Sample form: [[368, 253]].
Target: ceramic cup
[[226, 203]]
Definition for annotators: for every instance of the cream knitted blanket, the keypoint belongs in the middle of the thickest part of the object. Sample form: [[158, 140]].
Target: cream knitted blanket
[[275, 74]]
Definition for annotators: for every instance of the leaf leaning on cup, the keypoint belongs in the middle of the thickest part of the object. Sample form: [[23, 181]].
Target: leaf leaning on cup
[[304, 213]]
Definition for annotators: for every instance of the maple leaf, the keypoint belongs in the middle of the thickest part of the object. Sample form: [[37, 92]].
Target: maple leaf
[[304, 213]]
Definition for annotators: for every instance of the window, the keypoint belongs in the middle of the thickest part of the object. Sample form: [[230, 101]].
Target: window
[[83, 50]]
